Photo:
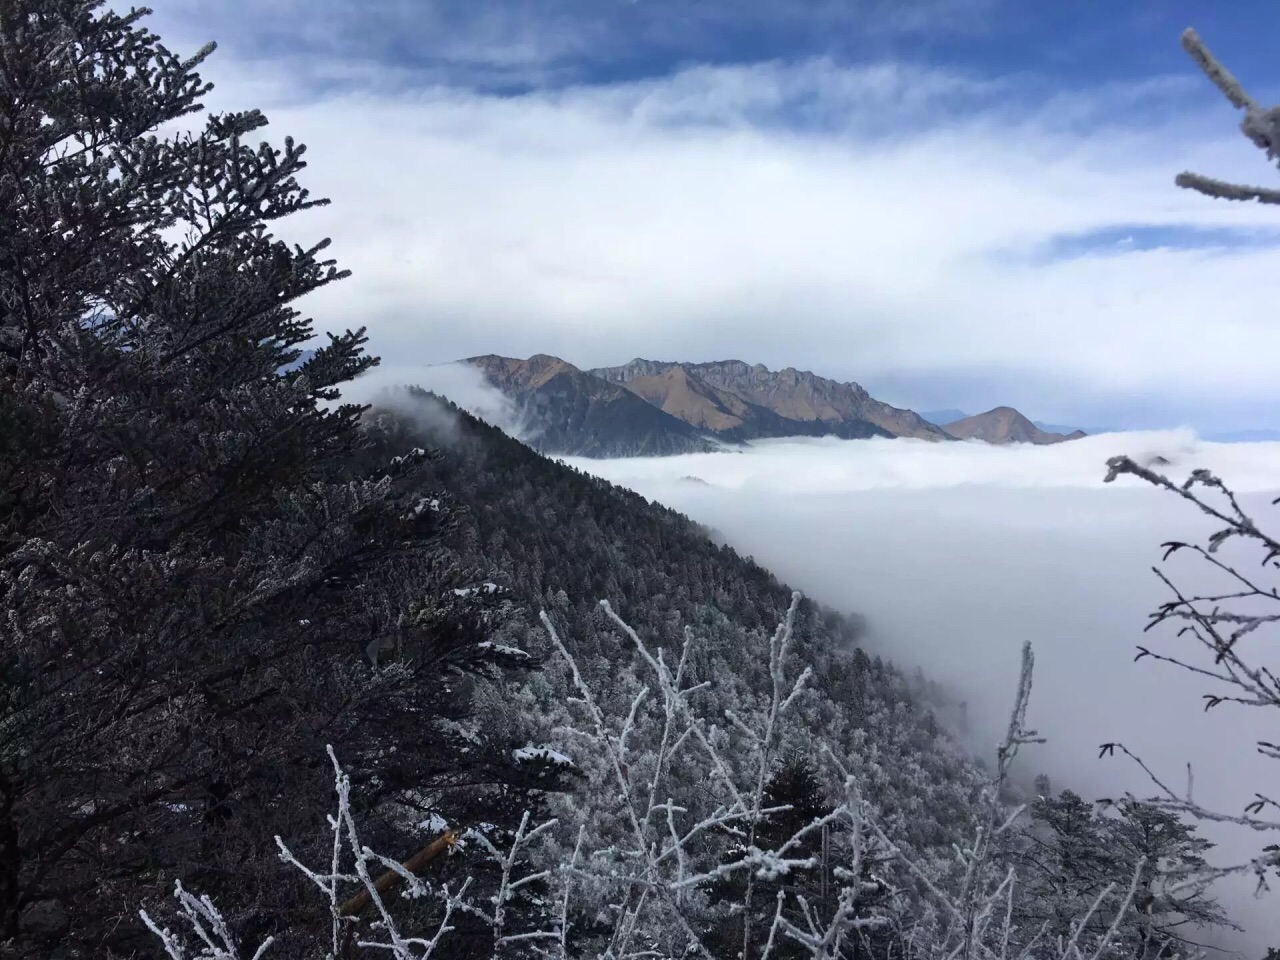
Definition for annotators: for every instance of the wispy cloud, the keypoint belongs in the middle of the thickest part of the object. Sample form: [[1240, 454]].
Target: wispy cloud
[[684, 216], [385, 386], [505, 42]]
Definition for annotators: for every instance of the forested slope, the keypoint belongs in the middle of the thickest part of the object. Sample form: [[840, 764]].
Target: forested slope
[[550, 537], [564, 540]]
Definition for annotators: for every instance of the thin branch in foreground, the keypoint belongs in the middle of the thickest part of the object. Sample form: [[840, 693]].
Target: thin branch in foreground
[[1261, 126]]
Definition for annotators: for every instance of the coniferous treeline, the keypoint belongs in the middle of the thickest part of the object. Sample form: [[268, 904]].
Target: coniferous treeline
[[193, 558]]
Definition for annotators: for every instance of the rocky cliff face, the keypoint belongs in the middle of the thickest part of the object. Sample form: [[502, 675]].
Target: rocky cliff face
[[731, 418], [827, 406]]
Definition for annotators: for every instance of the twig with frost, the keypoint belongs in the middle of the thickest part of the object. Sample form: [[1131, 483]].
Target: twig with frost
[[977, 920], [213, 940], [783, 694], [1260, 125], [827, 938], [1221, 623], [207, 925], [508, 887], [566, 884], [662, 838], [347, 838], [637, 888]]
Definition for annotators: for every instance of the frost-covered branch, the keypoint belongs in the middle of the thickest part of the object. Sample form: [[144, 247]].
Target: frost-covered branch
[[974, 919], [670, 863], [1260, 125], [208, 927], [394, 874], [677, 853], [354, 864], [509, 886], [1225, 624]]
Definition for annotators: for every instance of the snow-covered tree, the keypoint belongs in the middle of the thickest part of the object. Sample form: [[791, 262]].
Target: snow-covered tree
[[199, 545], [1072, 849]]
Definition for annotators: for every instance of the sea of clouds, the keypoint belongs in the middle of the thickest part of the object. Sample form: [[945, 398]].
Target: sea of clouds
[[956, 553]]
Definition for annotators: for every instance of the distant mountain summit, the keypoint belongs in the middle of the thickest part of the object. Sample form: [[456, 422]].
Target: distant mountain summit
[[572, 413], [1005, 425], [808, 405], [658, 408]]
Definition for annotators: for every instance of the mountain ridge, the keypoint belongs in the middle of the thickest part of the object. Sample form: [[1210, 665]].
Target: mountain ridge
[[576, 414], [658, 407], [730, 415], [797, 395]]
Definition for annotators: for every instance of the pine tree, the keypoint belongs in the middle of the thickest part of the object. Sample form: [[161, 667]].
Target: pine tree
[[1072, 851], [199, 542], [798, 798]]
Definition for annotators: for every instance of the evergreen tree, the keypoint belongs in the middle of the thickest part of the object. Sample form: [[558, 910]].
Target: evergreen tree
[[198, 547], [1072, 851], [797, 798]]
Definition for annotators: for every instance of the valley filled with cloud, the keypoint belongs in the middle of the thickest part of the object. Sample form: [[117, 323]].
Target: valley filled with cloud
[[957, 553]]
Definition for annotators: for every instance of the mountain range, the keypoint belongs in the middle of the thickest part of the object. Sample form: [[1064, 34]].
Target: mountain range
[[657, 408]]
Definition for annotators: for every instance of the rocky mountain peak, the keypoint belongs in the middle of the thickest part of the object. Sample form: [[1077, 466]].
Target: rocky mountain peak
[[1005, 425]]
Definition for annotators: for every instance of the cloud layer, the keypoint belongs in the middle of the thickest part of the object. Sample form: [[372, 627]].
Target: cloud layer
[[958, 553], [463, 384], [958, 240]]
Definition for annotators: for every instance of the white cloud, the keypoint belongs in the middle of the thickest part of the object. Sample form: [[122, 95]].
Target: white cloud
[[899, 235], [463, 384], [957, 553]]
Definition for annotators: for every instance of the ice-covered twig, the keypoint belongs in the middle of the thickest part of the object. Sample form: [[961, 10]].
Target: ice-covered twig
[[1017, 734], [1170, 800], [207, 924], [385, 936], [646, 836], [1215, 71], [496, 917], [667, 862], [1222, 623], [1260, 125], [976, 918]]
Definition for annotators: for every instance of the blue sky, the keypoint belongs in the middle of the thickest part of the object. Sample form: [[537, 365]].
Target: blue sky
[[513, 44], [958, 203]]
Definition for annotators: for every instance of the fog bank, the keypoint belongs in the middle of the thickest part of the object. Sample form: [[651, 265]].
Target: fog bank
[[957, 553]]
